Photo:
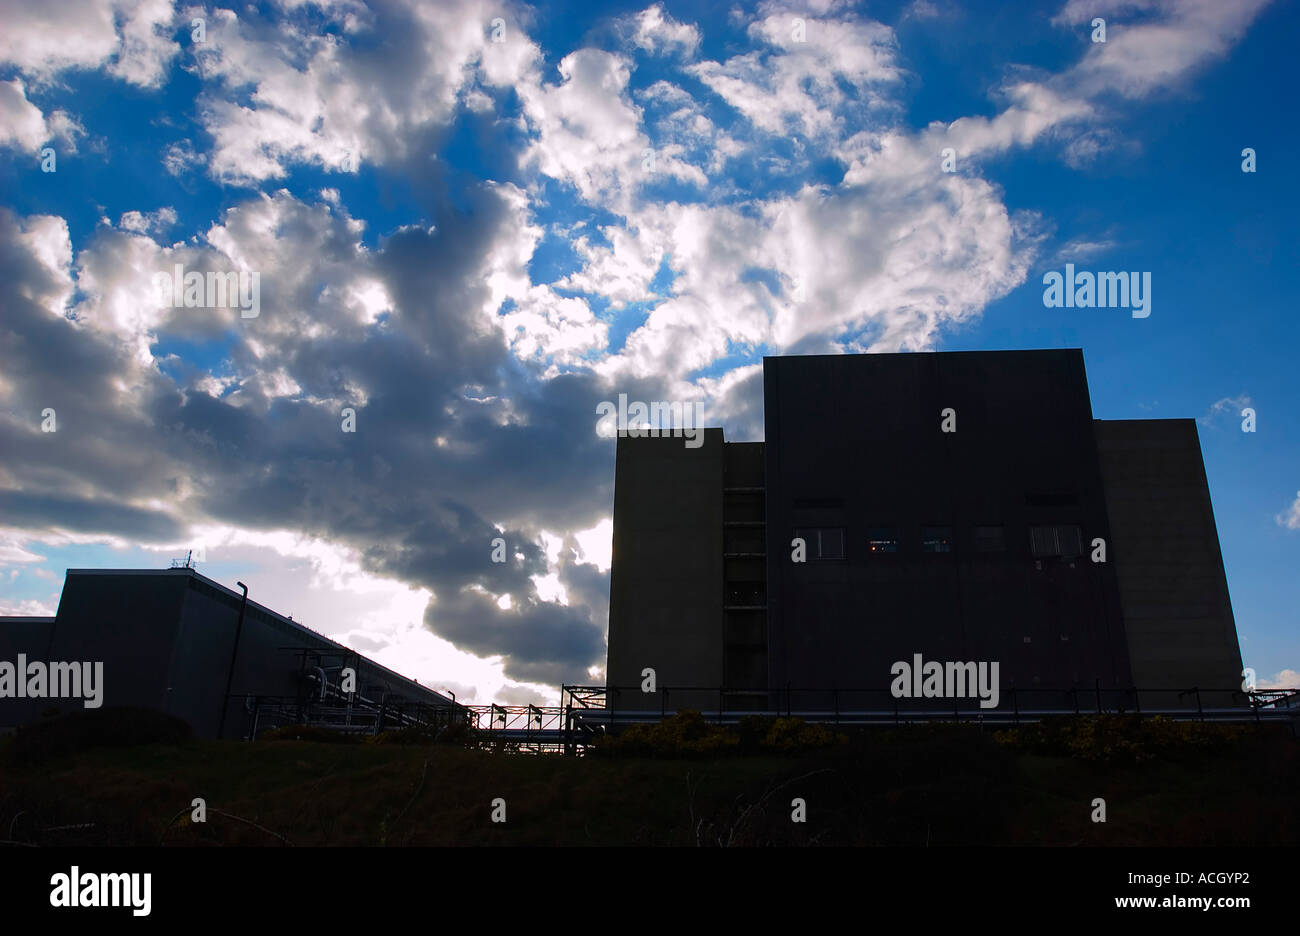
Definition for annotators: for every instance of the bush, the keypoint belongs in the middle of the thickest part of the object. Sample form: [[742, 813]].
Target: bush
[[63, 735], [1116, 738], [688, 734], [457, 734], [307, 733], [794, 735]]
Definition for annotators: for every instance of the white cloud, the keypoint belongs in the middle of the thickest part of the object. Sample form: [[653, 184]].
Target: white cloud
[[588, 128], [658, 33], [921, 10], [793, 85], [14, 549], [1080, 249], [553, 328], [21, 122], [1232, 406], [596, 545], [1034, 110], [180, 157], [22, 125], [156, 222], [46, 239], [621, 271], [1291, 519], [1284, 679], [129, 38], [292, 94], [326, 588], [882, 260], [28, 607], [1172, 39]]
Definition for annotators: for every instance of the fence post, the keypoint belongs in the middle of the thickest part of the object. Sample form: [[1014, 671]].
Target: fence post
[[568, 728], [1015, 701], [1097, 683], [1199, 710]]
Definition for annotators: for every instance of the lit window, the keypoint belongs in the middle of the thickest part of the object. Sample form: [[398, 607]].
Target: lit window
[[936, 539], [882, 540]]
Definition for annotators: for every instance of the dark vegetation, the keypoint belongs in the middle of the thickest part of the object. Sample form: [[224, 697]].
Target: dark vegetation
[[129, 778]]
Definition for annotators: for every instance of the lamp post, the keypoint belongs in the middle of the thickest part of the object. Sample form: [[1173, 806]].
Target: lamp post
[[234, 655]]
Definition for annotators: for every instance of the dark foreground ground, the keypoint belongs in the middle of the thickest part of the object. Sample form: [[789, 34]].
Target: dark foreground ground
[[684, 784]]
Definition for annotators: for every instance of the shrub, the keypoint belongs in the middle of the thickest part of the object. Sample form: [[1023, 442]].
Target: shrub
[[307, 733], [72, 733], [1116, 738], [685, 733], [793, 735], [688, 734], [458, 734]]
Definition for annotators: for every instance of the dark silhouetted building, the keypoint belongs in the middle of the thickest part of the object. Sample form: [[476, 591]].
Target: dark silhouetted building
[[166, 639], [979, 543]]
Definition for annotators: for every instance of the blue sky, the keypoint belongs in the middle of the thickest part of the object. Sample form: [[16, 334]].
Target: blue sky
[[473, 221]]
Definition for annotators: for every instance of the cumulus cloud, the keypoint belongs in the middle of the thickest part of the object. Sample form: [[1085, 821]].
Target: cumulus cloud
[[589, 133], [21, 122], [25, 127], [371, 92], [797, 80], [150, 222], [130, 39], [265, 450], [658, 33], [1285, 679]]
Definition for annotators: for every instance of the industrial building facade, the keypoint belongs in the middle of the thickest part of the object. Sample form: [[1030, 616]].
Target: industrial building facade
[[166, 639], [959, 506]]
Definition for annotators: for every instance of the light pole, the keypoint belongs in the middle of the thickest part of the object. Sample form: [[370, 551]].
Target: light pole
[[234, 654]]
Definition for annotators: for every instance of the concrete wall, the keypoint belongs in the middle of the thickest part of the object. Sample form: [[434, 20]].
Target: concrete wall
[[1173, 589], [270, 660], [127, 620], [30, 636], [665, 609], [165, 638], [855, 441]]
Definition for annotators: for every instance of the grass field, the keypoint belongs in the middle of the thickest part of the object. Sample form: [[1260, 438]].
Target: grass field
[[949, 785]]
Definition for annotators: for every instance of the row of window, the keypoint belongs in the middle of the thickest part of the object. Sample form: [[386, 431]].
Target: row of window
[[826, 543]]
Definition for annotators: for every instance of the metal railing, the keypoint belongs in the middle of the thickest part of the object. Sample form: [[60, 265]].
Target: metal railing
[[525, 728], [590, 711], [350, 713], [585, 713]]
